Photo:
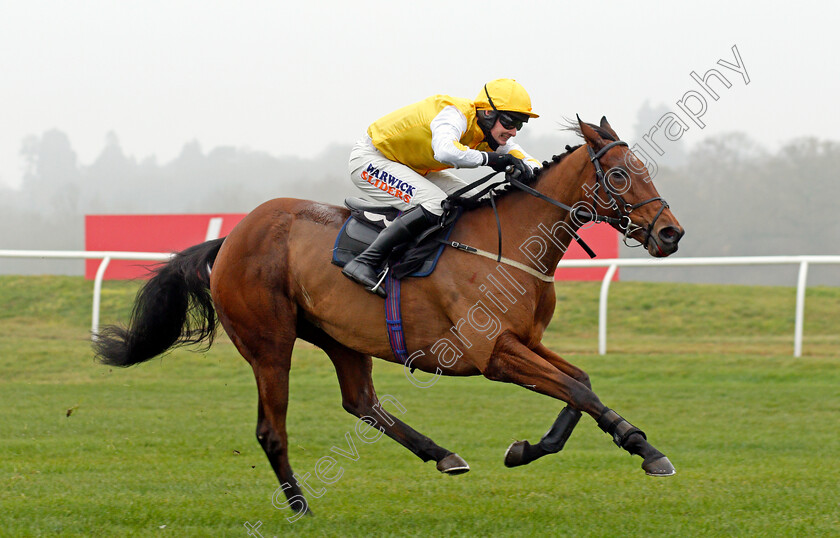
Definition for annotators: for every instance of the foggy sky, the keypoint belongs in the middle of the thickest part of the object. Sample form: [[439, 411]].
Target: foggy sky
[[292, 78]]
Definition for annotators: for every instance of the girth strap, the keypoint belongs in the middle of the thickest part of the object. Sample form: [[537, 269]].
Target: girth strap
[[393, 319]]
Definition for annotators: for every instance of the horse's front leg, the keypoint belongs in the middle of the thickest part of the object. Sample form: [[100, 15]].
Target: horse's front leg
[[512, 362], [523, 452]]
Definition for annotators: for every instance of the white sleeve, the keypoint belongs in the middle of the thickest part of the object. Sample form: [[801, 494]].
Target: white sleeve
[[516, 150], [447, 129]]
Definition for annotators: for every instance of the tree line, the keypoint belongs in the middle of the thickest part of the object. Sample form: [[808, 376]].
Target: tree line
[[734, 197]]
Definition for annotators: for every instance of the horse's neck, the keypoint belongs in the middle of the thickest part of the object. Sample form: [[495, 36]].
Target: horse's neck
[[563, 182]]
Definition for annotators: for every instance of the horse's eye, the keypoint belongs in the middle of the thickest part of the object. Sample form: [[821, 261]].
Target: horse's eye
[[618, 179]]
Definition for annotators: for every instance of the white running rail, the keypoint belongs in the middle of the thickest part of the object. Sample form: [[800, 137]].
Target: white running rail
[[611, 264], [106, 258]]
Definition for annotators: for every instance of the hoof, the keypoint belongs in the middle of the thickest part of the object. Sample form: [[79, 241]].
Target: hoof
[[659, 467], [453, 464], [515, 455]]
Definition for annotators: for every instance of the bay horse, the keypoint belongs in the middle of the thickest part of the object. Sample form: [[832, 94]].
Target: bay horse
[[272, 282]]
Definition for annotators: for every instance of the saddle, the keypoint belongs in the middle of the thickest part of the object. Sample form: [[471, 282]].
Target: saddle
[[367, 219]]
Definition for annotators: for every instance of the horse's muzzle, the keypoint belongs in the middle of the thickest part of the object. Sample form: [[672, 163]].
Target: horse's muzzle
[[665, 241]]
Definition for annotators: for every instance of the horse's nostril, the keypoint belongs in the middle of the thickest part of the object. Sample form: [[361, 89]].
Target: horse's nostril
[[669, 234]]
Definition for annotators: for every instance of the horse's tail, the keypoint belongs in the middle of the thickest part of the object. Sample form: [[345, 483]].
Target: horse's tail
[[173, 308]]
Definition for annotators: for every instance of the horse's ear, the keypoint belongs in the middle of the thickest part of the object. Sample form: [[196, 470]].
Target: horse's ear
[[591, 135], [605, 125]]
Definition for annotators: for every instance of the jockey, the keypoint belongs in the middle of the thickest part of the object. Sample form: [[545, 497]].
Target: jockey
[[403, 161]]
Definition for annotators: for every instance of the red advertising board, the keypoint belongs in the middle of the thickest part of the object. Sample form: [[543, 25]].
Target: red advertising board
[[601, 238], [171, 233], [149, 233]]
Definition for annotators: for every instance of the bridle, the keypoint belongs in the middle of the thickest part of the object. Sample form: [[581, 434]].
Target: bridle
[[617, 202]]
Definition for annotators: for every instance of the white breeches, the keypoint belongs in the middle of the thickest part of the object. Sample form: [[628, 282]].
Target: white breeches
[[397, 185]]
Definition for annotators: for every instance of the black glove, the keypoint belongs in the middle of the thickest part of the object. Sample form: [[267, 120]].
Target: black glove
[[500, 162]]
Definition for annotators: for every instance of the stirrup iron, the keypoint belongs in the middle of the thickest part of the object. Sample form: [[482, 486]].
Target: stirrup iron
[[375, 289]]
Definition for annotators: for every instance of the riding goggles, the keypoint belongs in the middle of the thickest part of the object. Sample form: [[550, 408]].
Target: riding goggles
[[512, 120]]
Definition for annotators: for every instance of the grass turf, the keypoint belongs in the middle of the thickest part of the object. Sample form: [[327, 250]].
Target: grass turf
[[168, 447]]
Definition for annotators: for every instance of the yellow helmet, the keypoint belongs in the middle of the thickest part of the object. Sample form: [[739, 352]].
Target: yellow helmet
[[505, 94]]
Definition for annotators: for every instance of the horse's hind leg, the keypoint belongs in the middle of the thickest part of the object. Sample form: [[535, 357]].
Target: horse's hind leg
[[271, 361], [273, 387], [359, 399]]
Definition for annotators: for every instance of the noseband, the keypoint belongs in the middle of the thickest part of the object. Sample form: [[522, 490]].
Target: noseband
[[617, 202]]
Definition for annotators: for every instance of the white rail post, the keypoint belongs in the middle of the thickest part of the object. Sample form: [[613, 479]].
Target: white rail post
[[97, 292], [214, 228], [800, 308], [602, 310]]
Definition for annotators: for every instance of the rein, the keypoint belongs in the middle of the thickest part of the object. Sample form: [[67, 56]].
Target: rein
[[533, 192], [455, 197], [622, 222]]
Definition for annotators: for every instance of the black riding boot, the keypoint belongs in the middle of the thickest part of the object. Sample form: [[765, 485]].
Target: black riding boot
[[364, 268]]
